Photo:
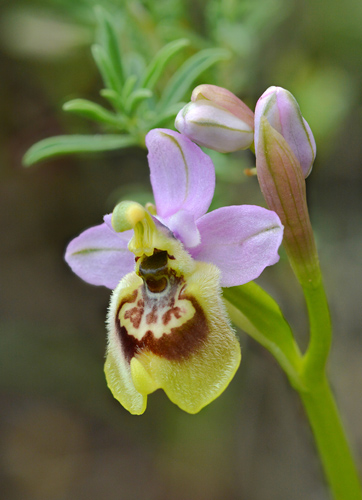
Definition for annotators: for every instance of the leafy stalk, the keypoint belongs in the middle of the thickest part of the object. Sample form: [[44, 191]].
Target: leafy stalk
[[126, 92]]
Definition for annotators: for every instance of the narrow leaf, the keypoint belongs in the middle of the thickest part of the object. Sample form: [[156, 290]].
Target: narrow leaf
[[94, 111], [155, 68], [110, 43], [128, 88], [181, 81], [106, 69], [114, 98], [136, 98], [66, 144]]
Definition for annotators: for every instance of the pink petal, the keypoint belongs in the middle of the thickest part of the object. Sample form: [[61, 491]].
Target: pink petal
[[183, 226], [226, 99], [100, 256], [240, 240], [182, 175], [108, 220]]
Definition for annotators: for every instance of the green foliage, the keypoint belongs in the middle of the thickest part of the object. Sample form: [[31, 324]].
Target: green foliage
[[138, 104], [66, 144]]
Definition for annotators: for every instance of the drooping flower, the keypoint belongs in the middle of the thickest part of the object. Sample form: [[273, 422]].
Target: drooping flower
[[217, 119], [167, 325]]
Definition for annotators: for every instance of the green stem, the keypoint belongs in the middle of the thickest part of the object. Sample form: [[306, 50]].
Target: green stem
[[255, 312], [320, 338], [283, 186], [331, 442], [319, 402]]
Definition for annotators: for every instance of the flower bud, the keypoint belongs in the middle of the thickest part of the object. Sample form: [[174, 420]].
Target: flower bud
[[281, 110], [283, 186], [217, 119]]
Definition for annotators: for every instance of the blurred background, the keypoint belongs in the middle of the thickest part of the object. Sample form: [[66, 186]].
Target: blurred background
[[62, 435]]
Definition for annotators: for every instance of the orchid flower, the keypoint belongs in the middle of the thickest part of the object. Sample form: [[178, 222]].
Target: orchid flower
[[167, 324]]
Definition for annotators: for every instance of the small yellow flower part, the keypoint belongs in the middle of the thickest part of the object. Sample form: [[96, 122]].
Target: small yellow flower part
[[168, 327]]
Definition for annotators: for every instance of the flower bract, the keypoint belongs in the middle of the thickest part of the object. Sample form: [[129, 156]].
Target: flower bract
[[167, 325]]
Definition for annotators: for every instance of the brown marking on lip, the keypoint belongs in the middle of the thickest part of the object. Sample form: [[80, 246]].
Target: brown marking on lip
[[166, 318], [178, 345], [152, 317], [134, 315]]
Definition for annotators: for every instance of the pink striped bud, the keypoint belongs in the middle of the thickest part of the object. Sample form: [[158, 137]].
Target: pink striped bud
[[282, 112], [217, 119]]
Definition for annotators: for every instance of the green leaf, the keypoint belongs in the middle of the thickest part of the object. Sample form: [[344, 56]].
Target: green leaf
[[136, 98], [95, 112], [66, 144], [257, 313], [110, 43], [106, 68], [155, 68], [181, 81], [114, 98], [128, 88]]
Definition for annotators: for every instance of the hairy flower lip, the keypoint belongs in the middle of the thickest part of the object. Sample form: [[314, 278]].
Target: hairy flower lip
[[184, 346]]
